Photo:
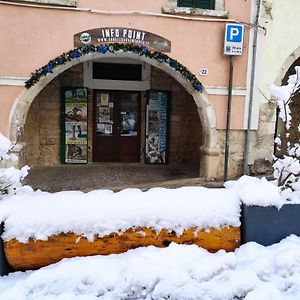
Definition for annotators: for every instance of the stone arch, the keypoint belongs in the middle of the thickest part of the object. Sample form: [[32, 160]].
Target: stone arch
[[209, 149], [285, 71], [289, 61]]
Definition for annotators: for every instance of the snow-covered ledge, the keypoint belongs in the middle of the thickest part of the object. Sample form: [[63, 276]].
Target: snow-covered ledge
[[49, 2], [172, 8]]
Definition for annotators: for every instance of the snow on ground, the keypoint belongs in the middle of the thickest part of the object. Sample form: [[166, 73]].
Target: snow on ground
[[180, 272], [252, 272], [40, 214]]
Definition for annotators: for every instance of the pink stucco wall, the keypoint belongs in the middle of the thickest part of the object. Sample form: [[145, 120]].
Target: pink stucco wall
[[237, 111], [7, 96], [30, 37]]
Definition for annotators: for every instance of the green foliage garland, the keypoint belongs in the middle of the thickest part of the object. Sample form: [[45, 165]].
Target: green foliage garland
[[112, 48]]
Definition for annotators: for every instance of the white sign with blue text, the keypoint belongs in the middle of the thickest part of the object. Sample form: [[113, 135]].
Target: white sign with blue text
[[234, 36]]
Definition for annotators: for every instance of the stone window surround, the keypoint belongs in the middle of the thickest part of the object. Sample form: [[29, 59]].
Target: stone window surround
[[109, 84], [172, 8], [48, 2]]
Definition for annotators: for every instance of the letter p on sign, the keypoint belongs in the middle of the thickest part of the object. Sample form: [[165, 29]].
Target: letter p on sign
[[233, 43], [234, 34]]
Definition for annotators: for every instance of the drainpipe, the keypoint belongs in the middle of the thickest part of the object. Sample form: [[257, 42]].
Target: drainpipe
[[116, 12], [250, 106]]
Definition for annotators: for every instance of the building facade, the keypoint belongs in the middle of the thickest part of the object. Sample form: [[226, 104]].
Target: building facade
[[129, 81], [278, 53]]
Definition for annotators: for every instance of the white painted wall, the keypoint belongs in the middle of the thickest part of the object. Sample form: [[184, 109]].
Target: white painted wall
[[278, 48], [280, 42]]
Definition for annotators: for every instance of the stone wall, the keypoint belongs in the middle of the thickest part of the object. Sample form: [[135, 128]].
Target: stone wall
[[260, 148], [263, 144], [42, 130], [185, 127], [236, 152]]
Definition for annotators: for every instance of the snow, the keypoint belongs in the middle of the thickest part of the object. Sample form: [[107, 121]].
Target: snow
[[257, 191], [283, 94], [10, 178], [5, 149], [38, 215], [261, 192], [287, 169], [252, 272], [5, 146]]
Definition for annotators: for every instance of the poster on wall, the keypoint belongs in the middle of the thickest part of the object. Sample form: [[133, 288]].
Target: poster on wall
[[129, 124], [156, 145], [104, 114], [74, 148]]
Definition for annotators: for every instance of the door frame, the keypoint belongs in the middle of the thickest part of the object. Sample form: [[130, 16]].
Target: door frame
[[117, 119]]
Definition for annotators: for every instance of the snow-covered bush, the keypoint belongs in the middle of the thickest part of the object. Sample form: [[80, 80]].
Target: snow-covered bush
[[10, 178], [287, 168]]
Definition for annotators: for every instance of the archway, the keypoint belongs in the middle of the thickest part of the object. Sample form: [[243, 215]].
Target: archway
[[286, 66], [209, 147], [291, 135]]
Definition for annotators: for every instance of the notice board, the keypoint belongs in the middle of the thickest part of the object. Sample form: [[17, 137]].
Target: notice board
[[74, 125], [157, 127]]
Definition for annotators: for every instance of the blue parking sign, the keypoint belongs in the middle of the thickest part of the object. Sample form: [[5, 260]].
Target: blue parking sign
[[234, 33], [233, 43]]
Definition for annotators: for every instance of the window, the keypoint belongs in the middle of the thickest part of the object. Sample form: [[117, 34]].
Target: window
[[213, 8], [206, 4], [117, 73], [130, 72]]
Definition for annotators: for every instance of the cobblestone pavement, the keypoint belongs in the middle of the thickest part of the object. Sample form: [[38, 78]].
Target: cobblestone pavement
[[115, 176]]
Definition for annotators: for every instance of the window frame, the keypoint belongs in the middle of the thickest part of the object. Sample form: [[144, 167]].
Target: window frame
[[71, 3], [171, 7], [197, 4]]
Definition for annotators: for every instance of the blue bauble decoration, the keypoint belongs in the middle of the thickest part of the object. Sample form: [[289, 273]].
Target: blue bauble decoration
[[74, 54], [173, 63], [49, 68], [103, 49], [144, 50], [198, 87]]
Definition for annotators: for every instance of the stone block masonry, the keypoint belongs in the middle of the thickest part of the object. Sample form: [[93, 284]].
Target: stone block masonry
[[42, 132]]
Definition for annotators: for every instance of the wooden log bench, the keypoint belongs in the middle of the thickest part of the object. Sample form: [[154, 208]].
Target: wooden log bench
[[36, 253]]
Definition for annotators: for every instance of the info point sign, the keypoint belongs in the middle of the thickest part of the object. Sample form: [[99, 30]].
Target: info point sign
[[234, 36]]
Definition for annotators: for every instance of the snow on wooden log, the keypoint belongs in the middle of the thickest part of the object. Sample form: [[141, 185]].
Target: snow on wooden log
[[36, 253]]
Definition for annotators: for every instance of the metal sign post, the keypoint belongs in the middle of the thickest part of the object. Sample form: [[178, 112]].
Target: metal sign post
[[228, 122], [233, 45]]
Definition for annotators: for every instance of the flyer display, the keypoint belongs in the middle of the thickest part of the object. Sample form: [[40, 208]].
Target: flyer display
[[157, 128], [75, 125], [104, 112]]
